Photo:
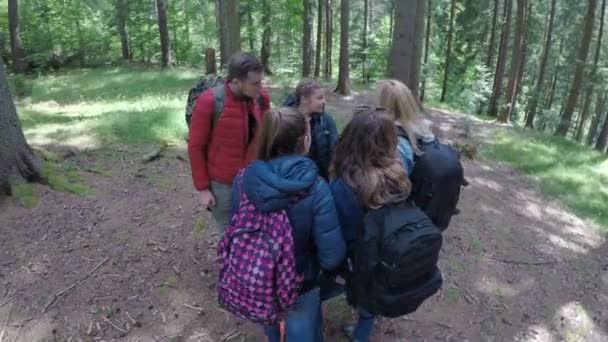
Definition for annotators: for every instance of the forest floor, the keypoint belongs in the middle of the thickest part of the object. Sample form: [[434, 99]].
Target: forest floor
[[132, 258]]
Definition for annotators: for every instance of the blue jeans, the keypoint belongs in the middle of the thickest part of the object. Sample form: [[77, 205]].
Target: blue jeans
[[303, 322]]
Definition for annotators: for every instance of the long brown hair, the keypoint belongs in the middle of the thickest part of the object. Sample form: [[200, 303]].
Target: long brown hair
[[284, 132], [397, 98], [366, 159]]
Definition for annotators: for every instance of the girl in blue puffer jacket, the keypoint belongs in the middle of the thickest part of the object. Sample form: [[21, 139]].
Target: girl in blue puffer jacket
[[282, 173]]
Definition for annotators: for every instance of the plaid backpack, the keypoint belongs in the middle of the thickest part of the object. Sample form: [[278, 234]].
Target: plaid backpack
[[258, 280]]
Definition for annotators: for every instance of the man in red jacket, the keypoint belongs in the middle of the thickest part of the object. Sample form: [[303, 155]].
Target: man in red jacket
[[220, 146]]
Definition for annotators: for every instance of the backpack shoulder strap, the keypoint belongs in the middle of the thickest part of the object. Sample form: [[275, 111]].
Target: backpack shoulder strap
[[219, 94]]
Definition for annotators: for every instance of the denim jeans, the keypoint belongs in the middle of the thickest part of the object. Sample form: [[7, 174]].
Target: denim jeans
[[303, 322]]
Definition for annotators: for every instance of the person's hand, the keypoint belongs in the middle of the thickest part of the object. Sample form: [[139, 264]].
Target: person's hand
[[207, 199]]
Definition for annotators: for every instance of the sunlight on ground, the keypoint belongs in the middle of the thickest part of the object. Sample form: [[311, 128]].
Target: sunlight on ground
[[494, 287], [575, 323]]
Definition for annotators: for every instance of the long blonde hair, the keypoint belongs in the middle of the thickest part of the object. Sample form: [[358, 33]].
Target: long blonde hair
[[284, 132], [397, 98], [366, 159]]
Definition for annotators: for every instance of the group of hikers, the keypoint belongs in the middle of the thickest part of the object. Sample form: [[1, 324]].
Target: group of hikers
[[306, 215]]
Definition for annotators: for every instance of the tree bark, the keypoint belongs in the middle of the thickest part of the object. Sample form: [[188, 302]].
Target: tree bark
[[406, 51], [602, 140], [230, 29], [122, 14], [566, 119], [599, 113], [266, 36], [18, 163], [17, 52], [427, 45], [165, 45], [307, 20], [319, 41], [516, 62], [364, 40], [543, 67], [329, 28], [448, 52], [502, 60], [490, 58], [250, 30], [592, 76], [343, 86]]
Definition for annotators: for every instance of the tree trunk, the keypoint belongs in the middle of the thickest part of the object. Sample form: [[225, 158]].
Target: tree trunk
[[592, 76], [602, 139], [329, 28], [516, 62], [319, 38], [427, 45], [165, 45], [17, 52], [502, 60], [18, 163], [250, 30], [121, 21], [230, 29], [364, 40], [343, 87], [566, 119], [599, 112], [543, 67], [211, 65], [406, 51], [266, 36], [307, 20], [490, 58], [448, 52]]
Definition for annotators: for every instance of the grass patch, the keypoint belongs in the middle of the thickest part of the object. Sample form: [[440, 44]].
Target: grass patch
[[477, 247], [25, 194], [65, 179], [572, 173], [199, 227], [452, 295]]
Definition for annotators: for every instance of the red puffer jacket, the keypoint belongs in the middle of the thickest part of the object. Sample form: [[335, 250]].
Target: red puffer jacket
[[218, 153]]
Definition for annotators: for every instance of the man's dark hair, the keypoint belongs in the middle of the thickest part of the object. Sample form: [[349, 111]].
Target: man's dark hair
[[241, 64]]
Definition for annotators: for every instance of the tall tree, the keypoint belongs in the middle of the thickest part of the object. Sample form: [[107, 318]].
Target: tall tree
[[307, 39], [575, 89], [492, 43], [599, 112], [230, 29], [163, 29], [319, 41], [542, 69], [592, 76], [427, 45], [18, 163], [343, 68], [17, 51], [602, 140], [364, 39], [502, 60], [250, 29], [516, 62], [408, 33], [329, 31], [266, 36], [122, 14], [448, 52]]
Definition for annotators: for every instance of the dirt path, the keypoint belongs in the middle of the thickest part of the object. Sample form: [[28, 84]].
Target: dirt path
[[516, 265]]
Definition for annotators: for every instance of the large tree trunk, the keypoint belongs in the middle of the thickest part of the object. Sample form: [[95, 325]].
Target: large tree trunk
[[542, 70], [18, 163], [307, 20], [250, 30], [566, 119], [602, 139], [592, 76], [448, 52], [266, 36], [516, 62], [364, 40], [329, 31], [502, 60], [599, 112], [427, 45], [408, 35], [122, 14], [343, 71], [230, 29], [490, 58], [165, 45], [19, 63], [319, 42]]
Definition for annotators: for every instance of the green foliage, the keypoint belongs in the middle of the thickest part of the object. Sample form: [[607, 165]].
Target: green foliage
[[25, 194]]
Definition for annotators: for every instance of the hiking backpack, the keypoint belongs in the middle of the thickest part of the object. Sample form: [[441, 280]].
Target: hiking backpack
[[258, 279], [219, 93], [436, 180], [394, 265]]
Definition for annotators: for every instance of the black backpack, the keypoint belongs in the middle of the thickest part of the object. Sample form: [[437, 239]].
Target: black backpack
[[394, 263], [436, 180]]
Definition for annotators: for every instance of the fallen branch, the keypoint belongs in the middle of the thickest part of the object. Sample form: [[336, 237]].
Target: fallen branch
[[522, 262], [229, 336], [193, 307], [154, 154], [113, 325], [445, 325], [7, 263], [69, 288]]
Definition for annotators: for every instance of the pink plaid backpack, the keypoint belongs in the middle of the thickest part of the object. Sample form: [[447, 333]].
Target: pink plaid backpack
[[258, 279]]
